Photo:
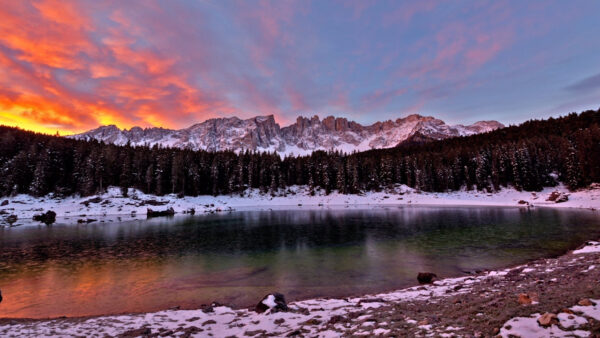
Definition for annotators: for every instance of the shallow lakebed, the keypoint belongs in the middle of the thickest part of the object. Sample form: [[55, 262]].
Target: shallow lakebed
[[236, 258]]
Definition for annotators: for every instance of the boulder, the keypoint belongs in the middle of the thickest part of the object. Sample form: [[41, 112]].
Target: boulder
[[47, 218], [523, 202], [273, 301], [4, 203], [167, 212], [585, 302], [547, 319], [426, 277]]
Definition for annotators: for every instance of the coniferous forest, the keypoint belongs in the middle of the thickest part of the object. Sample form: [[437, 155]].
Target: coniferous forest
[[530, 156]]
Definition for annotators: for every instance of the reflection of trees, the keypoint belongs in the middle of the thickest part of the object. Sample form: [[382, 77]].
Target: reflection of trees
[[431, 231]]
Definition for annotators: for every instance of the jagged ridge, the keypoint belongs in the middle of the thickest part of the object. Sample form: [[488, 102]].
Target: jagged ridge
[[306, 135]]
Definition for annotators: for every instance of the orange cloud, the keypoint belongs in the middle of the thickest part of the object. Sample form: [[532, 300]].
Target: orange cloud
[[69, 71]]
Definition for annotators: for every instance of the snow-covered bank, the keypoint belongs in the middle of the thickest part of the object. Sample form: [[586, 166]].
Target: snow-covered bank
[[483, 305], [74, 209]]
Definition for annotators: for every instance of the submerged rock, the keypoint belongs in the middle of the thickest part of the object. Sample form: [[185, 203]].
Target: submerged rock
[[426, 277], [273, 301]]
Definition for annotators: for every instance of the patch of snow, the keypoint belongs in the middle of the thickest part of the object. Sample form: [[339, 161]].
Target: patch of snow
[[592, 311], [571, 320], [590, 247], [270, 301], [71, 209], [529, 327]]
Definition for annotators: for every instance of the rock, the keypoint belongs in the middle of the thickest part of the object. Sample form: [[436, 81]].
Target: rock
[[4, 203], [153, 203], [523, 202], [426, 277], [48, 218], [191, 211], [547, 319], [211, 307], [152, 213], [143, 331], [273, 301], [335, 319], [585, 302], [557, 197], [312, 321], [562, 198], [87, 220], [294, 333], [423, 322], [10, 219], [524, 299], [92, 200], [553, 196]]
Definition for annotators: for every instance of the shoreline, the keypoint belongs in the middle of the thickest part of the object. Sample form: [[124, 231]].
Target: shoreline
[[76, 210], [479, 305]]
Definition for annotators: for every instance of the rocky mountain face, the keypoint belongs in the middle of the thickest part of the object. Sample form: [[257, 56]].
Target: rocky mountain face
[[262, 133]]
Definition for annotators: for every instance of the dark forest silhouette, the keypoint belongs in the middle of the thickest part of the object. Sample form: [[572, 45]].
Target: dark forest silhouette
[[530, 156]]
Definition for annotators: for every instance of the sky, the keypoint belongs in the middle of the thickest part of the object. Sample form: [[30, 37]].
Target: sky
[[70, 66]]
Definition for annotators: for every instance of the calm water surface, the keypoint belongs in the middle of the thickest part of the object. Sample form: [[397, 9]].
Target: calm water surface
[[238, 257]]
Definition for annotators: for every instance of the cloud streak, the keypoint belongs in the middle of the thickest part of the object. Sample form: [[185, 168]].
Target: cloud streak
[[587, 84]]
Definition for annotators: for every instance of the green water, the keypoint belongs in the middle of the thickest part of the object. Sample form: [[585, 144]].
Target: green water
[[236, 258]]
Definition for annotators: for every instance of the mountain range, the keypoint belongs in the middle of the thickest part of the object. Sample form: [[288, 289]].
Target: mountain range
[[262, 133]]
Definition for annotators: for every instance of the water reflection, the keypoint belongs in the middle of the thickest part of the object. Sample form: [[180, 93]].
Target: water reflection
[[236, 258]]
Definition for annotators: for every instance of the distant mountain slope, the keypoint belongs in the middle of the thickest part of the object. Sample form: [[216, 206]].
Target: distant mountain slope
[[262, 133]]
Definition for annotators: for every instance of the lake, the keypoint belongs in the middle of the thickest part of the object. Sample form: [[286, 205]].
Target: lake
[[236, 258]]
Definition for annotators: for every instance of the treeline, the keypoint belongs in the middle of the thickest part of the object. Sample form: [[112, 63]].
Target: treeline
[[530, 156]]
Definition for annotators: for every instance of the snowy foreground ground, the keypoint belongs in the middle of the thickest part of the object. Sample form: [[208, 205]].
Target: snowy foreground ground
[[112, 203], [482, 305]]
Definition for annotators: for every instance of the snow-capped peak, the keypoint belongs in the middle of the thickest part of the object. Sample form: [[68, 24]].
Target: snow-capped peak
[[262, 133]]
